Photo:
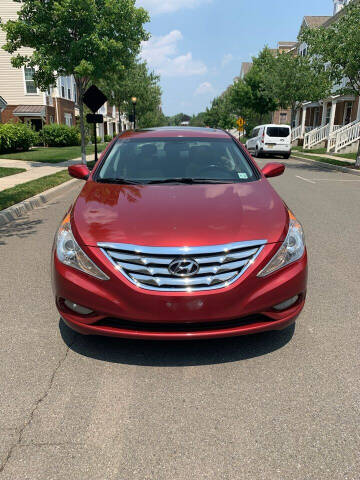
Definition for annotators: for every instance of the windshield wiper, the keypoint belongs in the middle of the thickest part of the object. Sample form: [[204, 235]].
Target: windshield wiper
[[189, 180], [120, 181]]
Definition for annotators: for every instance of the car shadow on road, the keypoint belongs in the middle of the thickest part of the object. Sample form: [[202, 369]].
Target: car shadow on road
[[175, 354], [310, 168]]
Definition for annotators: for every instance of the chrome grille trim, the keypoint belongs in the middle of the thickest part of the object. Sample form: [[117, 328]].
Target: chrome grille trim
[[147, 267]]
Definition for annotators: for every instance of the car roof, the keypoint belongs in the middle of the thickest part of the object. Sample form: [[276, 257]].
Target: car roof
[[272, 125], [175, 132]]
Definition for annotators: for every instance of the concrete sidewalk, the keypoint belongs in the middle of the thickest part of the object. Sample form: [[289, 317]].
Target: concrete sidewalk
[[34, 170]]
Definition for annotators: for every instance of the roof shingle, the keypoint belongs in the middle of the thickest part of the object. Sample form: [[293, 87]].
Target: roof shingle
[[317, 21]]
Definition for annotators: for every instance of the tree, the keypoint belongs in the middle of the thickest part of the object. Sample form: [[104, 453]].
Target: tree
[[292, 79], [251, 91], [220, 114], [177, 119], [135, 81], [336, 50], [85, 38], [198, 120], [153, 118]]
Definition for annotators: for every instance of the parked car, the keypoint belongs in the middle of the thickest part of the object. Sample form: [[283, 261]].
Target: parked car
[[177, 234], [270, 140]]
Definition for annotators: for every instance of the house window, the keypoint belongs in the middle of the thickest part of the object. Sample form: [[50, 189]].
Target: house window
[[51, 119], [75, 99], [29, 82], [283, 117], [62, 91], [328, 113], [68, 119], [69, 94]]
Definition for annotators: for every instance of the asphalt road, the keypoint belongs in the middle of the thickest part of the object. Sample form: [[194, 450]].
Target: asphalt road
[[274, 406]]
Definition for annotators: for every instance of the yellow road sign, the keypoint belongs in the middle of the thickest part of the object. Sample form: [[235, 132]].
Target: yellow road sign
[[240, 122]]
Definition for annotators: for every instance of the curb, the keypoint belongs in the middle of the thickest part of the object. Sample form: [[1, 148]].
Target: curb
[[329, 166], [20, 209]]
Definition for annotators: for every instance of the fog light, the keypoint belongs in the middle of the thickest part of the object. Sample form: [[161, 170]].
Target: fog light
[[286, 304], [77, 308]]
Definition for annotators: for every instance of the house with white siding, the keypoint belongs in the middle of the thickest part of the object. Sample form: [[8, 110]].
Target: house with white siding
[[25, 102]]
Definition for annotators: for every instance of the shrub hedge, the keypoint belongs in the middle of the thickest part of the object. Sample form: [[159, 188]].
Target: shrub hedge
[[17, 137], [56, 135]]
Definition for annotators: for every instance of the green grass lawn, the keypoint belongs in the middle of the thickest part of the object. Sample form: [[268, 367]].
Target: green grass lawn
[[51, 154], [6, 172], [17, 194], [322, 151], [346, 155], [315, 150]]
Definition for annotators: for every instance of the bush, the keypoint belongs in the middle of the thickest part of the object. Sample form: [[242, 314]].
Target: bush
[[17, 137], [98, 139], [55, 135], [108, 138]]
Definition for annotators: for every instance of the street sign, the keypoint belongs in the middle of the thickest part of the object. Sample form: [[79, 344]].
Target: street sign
[[94, 98], [93, 118], [240, 122]]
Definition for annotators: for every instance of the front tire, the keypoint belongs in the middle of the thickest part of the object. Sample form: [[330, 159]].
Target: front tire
[[287, 156]]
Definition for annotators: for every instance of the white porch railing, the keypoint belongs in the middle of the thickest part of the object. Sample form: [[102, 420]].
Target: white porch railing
[[347, 136], [337, 131], [296, 132], [318, 135], [315, 136]]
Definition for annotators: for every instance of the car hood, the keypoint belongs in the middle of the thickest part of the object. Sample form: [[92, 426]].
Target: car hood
[[179, 215]]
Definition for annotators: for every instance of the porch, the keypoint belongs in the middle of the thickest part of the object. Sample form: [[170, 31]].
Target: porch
[[333, 123]]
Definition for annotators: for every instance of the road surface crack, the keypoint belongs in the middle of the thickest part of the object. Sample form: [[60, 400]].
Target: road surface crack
[[37, 404]]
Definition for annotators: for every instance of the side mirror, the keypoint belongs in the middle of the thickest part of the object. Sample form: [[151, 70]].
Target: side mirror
[[79, 171], [273, 169]]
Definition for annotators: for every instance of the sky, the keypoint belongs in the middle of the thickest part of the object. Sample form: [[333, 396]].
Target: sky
[[197, 46]]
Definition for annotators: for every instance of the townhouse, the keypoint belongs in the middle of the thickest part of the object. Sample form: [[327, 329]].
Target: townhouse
[[21, 101], [332, 122], [25, 102]]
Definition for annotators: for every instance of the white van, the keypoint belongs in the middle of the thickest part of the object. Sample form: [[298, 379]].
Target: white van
[[270, 140]]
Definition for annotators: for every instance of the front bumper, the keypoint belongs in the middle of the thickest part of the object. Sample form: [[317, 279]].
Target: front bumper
[[123, 310]]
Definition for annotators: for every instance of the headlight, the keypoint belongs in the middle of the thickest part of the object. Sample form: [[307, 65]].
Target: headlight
[[291, 250], [69, 253]]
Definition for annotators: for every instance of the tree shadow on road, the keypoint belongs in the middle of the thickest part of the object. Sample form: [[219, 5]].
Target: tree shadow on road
[[176, 354], [19, 228]]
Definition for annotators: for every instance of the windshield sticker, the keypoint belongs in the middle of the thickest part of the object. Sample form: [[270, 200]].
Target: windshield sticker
[[242, 175]]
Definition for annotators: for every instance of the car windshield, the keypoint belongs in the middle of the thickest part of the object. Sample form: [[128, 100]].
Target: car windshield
[[177, 160]]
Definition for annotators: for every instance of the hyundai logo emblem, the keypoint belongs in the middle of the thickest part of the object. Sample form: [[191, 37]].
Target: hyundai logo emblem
[[184, 267]]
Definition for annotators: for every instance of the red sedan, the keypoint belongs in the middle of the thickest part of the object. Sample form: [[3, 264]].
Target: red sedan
[[177, 234]]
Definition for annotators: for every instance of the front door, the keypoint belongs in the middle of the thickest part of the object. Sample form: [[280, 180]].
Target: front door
[[36, 124], [347, 112]]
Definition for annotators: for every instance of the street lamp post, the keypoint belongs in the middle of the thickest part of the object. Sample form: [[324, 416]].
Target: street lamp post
[[134, 100]]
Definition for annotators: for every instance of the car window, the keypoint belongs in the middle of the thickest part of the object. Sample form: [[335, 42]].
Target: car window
[[278, 131], [255, 132], [161, 159]]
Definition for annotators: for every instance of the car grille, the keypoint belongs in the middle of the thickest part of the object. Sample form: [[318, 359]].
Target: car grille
[[182, 269]]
